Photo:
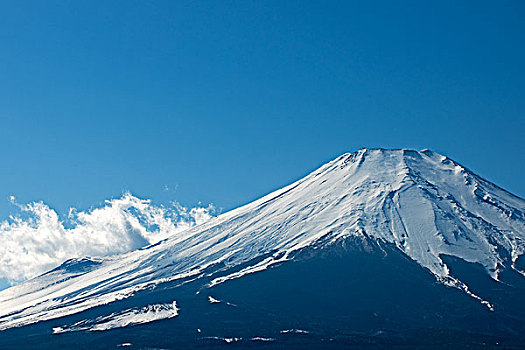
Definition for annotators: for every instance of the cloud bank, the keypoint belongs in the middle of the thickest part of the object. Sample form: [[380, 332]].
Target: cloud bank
[[38, 240]]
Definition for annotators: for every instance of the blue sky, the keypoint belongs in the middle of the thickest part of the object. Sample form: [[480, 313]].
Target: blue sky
[[222, 102]]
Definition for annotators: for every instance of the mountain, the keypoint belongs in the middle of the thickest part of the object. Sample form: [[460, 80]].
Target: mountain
[[376, 247]]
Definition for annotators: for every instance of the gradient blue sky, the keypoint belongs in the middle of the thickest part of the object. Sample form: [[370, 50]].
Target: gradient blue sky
[[222, 102]]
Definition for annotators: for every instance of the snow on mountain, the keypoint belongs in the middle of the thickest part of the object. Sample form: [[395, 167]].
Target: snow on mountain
[[424, 203], [124, 318]]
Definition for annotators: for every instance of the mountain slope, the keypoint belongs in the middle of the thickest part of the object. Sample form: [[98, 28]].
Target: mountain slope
[[421, 204]]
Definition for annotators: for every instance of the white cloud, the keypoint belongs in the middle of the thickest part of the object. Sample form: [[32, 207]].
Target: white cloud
[[39, 240]]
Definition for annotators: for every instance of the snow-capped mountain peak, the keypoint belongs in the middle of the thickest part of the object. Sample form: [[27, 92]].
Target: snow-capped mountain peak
[[423, 203]]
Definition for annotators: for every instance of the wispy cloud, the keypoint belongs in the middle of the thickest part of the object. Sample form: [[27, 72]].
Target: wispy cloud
[[38, 239]]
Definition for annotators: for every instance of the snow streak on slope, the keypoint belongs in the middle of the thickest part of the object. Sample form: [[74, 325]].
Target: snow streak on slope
[[32, 245], [422, 202], [124, 318]]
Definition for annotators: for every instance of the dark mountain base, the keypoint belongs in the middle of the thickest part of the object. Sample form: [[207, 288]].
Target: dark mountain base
[[355, 294]]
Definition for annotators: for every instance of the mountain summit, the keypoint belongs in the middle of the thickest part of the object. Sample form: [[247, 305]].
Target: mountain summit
[[429, 212]]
